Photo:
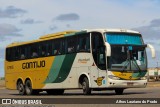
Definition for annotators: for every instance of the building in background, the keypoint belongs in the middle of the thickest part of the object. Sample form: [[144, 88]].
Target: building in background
[[154, 73]]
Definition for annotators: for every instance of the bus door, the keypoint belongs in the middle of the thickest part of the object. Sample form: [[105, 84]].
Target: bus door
[[98, 69]]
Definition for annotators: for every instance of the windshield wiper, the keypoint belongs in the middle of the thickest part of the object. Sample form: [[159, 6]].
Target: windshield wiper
[[137, 65], [126, 64], [127, 61]]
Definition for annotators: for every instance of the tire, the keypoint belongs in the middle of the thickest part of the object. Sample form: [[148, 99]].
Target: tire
[[55, 92], [29, 90], [85, 86], [119, 91], [21, 88]]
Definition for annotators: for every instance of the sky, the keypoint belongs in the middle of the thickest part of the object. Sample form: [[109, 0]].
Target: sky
[[24, 20]]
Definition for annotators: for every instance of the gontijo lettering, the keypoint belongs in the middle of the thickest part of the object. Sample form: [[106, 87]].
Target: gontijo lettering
[[34, 64]]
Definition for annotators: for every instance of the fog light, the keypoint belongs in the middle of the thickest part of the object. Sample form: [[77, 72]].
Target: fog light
[[143, 78]]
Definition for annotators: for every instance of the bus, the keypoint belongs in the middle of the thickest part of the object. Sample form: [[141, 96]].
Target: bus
[[89, 59]]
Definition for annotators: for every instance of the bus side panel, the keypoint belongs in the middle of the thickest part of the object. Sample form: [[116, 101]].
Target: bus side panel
[[24, 69], [61, 68], [73, 65], [82, 63], [54, 76], [10, 82]]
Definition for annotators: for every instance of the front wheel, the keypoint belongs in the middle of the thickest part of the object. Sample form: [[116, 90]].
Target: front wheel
[[119, 91], [85, 86], [21, 88]]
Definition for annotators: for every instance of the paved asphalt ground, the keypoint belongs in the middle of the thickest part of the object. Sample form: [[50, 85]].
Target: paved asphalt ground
[[151, 91]]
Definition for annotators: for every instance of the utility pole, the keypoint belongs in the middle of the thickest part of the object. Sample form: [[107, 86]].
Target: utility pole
[[156, 74]]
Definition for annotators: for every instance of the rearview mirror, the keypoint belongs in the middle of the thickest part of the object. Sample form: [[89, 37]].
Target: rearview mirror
[[108, 48], [152, 50]]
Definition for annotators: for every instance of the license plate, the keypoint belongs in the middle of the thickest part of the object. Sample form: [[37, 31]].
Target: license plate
[[130, 83]]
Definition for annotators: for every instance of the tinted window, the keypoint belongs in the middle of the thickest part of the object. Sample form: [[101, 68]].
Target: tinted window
[[34, 51], [98, 50], [71, 44], [16, 53], [58, 47], [9, 54], [49, 48], [42, 49], [83, 43], [23, 52]]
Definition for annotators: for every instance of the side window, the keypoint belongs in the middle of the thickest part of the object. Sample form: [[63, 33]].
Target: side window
[[83, 43], [42, 49], [23, 52], [71, 44], [62, 49], [101, 58], [57, 47], [97, 40], [34, 51], [16, 53], [13, 53], [49, 48], [98, 50], [9, 54]]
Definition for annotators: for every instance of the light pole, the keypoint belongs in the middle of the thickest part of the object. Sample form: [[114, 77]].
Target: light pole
[[157, 76]]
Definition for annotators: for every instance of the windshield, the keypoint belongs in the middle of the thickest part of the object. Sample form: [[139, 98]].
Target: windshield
[[127, 52], [130, 58]]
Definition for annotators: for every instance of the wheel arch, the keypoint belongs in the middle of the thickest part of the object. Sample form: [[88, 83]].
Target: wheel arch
[[28, 78], [81, 77]]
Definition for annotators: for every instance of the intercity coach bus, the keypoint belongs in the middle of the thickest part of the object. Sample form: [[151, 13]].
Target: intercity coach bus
[[90, 59]]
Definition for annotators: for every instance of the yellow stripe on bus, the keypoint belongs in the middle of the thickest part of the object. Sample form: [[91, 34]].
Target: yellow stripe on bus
[[124, 75]]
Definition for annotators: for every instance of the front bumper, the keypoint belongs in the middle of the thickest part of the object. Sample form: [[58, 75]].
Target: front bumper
[[127, 83]]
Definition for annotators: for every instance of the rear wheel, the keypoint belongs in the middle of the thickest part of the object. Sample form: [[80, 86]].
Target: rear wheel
[[55, 92], [85, 87], [119, 91], [21, 88], [29, 90]]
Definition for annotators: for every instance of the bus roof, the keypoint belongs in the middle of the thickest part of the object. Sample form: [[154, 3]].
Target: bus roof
[[45, 37], [70, 33], [55, 35], [111, 30]]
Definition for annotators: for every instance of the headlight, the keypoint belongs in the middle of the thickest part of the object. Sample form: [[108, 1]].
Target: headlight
[[143, 78], [113, 77]]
